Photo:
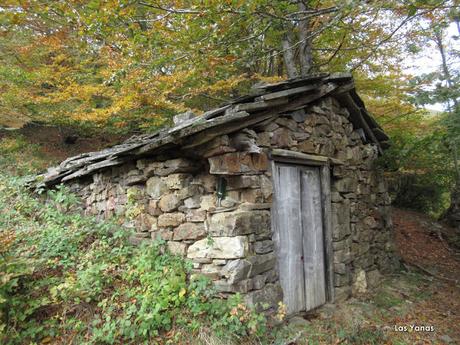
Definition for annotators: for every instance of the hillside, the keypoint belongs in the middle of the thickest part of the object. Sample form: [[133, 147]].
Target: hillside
[[70, 281]]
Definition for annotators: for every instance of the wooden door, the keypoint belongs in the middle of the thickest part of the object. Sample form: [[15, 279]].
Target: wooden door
[[298, 235]]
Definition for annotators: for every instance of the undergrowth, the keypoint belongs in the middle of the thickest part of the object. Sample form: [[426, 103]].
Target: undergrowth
[[69, 279]]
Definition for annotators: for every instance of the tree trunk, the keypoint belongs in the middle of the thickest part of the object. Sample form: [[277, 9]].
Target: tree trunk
[[289, 56], [445, 66], [452, 215], [305, 54]]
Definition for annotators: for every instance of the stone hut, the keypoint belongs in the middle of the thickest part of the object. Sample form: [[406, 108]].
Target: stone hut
[[273, 195]]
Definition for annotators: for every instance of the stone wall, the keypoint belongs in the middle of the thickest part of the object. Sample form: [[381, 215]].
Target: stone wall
[[174, 198]]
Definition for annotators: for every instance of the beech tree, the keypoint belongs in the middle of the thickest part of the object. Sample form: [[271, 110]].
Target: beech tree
[[131, 64]]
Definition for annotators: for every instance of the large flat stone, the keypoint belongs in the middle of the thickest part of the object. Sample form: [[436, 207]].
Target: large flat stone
[[189, 231], [239, 223], [219, 248], [237, 163]]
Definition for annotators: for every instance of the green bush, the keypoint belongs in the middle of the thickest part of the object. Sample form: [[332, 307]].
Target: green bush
[[420, 171], [420, 192], [69, 278]]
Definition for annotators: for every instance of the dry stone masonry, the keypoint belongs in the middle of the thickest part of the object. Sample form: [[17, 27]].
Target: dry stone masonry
[[174, 194]]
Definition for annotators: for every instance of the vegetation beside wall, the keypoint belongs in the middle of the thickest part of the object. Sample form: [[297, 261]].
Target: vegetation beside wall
[[419, 166], [66, 277]]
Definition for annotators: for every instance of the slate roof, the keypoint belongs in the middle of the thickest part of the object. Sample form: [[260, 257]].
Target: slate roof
[[264, 102]]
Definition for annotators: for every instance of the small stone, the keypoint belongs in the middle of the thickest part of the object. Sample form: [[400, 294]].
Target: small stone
[[259, 281], [188, 191], [340, 220], [307, 147], [137, 240], [177, 181], [146, 221], [340, 268], [195, 215], [211, 271], [183, 117], [327, 311], [373, 278], [268, 296], [242, 287], [445, 338], [192, 202], [208, 182], [266, 187], [163, 234], [171, 219], [189, 231], [342, 293], [258, 206], [153, 208], [341, 279], [134, 179], [155, 187], [370, 222], [169, 202], [141, 164], [178, 165], [347, 184], [208, 202], [335, 197], [282, 138], [342, 255], [360, 284], [261, 263], [252, 196], [228, 202], [263, 247], [236, 270], [301, 136], [288, 123], [298, 322], [263, 139], [177, 248]]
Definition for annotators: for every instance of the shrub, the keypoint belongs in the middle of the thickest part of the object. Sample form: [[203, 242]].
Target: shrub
[[420, 192], [64, 276]]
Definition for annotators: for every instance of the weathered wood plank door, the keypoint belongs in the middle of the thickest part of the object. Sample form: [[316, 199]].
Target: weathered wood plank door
[[298, 235]]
